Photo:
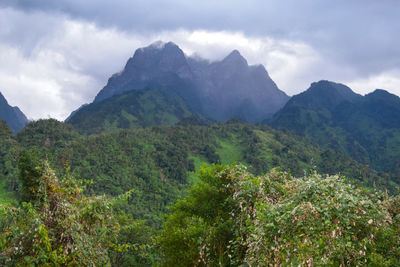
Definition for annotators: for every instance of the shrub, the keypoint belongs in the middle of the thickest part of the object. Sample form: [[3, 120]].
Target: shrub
[[235, 218], [59, 226]]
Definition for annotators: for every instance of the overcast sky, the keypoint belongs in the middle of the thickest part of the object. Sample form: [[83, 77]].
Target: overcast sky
[[56, 55]]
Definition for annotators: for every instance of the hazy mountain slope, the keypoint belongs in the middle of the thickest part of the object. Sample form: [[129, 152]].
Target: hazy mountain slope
[[158, 64], [232, 88], [218, 90], [12, 115], [130, 110], [367, 128]]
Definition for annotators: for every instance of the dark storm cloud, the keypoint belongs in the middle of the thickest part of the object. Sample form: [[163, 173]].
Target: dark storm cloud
[[363, 33]]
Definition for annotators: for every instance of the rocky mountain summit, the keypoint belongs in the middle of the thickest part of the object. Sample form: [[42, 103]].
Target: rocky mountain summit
[[218, 90]]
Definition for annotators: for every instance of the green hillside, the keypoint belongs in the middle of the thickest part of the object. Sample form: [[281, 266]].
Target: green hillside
[[366, 128], [158, 162], [132, 110], [9, 149]]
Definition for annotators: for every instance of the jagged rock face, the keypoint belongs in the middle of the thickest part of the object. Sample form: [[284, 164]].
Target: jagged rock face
[[232, 88], [219, 90], [14, 117], [157, 64]]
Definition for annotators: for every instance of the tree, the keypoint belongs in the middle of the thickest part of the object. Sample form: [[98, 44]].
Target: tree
[[59, 225], [234, 218], [30, 173]]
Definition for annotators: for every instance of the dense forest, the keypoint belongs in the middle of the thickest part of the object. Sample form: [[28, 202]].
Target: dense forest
[[113, 196], [366, 128]]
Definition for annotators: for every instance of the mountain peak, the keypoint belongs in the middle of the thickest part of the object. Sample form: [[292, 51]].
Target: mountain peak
[[12, 115], [149, 65], [160, 45], [381, 92], [383, 97], [235, 57], [219, 90], [157, 45], [171, 44], [332, 88], [326, 83], [235, 53]]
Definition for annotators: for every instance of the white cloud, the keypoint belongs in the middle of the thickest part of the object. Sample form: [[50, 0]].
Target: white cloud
[[38, 84], [63, 68], [389, 80]]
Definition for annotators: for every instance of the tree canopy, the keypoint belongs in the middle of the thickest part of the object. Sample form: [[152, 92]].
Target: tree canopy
[[233, 217]]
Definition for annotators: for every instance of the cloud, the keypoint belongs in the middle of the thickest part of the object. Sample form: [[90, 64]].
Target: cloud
[[66, 66], [39, 85], [384, 80], [56, 55], [361, 33], [58, 70]]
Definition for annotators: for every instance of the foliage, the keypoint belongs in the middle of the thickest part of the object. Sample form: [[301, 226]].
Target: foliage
[[8, 163], [157, 161], [135, 243], [131, 110], [49, 135], [30, 175], [159, 164], [234, 218], [201, 225], [5, 131], [59, 226]]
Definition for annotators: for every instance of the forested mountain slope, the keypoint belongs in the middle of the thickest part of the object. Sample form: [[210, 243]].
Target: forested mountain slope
[[132, 110], [9, 150], [157, 162], [367, 128]]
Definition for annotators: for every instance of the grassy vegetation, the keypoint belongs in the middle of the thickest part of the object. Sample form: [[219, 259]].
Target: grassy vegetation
[[230, 150], [6, 197], [199, 162]]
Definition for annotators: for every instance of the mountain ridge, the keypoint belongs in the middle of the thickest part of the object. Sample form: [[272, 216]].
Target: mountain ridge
[[14, 117], [218, 90], [367, 128]]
